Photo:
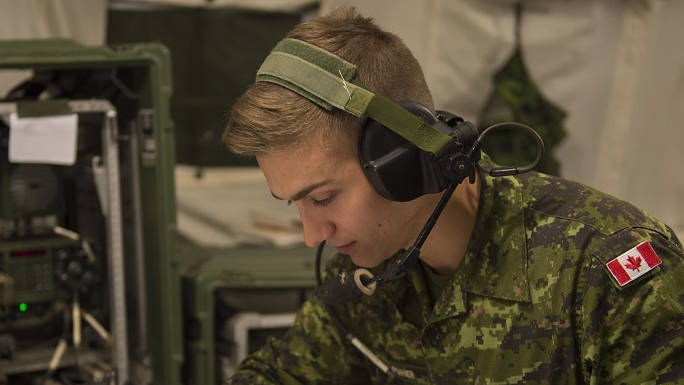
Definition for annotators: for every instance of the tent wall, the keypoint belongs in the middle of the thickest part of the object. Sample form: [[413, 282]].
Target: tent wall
[[614, 66], [83, 21]]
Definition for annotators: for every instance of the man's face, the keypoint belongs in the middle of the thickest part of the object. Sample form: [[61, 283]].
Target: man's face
[[337, 204]]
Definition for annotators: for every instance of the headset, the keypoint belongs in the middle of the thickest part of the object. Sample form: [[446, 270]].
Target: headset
[[404, 149]]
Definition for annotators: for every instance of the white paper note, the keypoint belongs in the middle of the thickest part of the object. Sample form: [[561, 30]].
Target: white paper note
[[50, 139]]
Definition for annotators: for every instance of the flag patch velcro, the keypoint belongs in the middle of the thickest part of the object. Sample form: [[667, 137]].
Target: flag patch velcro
[[633, 263]]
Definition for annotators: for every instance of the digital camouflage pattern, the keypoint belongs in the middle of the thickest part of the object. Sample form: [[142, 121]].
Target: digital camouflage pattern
[[532, 303], [515, 97]]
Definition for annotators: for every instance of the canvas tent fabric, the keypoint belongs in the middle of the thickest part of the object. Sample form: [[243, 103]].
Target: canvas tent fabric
[[83, 21], [611, 65], [616, 72]]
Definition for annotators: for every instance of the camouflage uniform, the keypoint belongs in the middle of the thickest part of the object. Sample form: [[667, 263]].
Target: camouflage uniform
[[532, 302]]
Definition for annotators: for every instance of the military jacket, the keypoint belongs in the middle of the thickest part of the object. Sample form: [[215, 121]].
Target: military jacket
[[532, 302]]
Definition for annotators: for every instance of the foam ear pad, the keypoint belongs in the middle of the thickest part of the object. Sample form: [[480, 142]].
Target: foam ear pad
[[397, 169]]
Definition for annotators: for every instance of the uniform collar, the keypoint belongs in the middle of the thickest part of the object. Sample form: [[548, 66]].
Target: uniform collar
[[495, 262]]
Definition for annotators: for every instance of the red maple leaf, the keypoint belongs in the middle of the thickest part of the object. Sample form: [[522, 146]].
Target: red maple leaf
[[633, 263]]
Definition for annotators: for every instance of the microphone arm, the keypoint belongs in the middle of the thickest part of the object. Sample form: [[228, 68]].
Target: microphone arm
[[408, 260], [348, 286]]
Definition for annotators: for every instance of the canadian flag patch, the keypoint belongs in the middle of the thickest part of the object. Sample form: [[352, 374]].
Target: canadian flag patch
[[633, 263]]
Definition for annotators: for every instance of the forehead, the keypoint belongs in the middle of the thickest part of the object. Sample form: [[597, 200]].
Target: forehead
[[289, 169]]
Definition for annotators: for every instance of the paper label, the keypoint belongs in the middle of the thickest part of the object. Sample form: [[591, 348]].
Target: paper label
[[50, 139]]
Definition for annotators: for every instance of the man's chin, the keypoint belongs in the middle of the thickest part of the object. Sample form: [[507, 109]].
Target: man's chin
[[367, 263]]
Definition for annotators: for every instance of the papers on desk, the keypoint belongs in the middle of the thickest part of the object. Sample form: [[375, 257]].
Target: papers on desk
[[232, 206]]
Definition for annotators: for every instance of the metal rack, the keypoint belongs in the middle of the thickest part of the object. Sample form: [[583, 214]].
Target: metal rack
[[115, 257]]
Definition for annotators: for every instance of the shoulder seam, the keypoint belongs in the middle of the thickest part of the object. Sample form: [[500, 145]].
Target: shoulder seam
[[639, 226], [576, 220]]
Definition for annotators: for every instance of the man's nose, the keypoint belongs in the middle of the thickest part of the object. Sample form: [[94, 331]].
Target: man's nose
[[316, 230]]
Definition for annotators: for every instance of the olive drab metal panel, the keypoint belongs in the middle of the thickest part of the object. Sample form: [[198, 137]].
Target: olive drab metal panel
[[136, 80]]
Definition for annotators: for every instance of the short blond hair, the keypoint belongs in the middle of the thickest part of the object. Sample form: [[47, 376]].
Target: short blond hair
[[268, 117]]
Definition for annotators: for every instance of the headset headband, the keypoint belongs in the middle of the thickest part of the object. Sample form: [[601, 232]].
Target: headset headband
[[327, 80]]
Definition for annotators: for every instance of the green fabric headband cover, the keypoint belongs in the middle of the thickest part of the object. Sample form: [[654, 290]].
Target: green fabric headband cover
[[327, 80]]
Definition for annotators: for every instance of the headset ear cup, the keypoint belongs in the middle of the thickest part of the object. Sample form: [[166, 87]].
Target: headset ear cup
[[388, 160], [397, 169]]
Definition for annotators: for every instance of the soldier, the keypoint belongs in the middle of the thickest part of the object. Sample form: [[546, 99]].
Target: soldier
[[523, 279]]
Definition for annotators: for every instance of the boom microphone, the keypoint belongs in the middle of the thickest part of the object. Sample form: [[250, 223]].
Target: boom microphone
[[350, 285]]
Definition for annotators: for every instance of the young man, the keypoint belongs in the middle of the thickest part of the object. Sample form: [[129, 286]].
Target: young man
[[518, 282]]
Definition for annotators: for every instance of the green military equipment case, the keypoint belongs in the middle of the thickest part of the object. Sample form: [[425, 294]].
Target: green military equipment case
[[136, 81], [221, 284]]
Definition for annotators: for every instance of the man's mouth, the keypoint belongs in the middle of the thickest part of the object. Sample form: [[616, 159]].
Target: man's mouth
[[346, 248]]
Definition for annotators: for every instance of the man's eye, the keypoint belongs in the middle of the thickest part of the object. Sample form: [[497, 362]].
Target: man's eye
[[322, 202]]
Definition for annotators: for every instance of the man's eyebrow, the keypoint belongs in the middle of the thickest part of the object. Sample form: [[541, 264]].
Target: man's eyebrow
[[304, 192]]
